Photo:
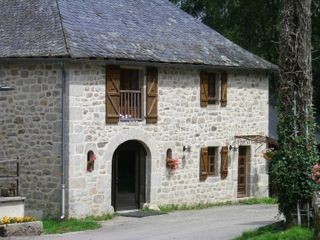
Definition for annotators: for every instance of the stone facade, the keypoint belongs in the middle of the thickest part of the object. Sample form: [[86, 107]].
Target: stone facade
[[30, 123], [30, 127], [181, 122]]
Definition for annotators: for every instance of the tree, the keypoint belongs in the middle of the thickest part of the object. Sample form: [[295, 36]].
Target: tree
[[292, 164], [254, 25]]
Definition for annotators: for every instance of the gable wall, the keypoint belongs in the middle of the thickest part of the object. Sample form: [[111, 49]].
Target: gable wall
[[30, 121], [181, 122]]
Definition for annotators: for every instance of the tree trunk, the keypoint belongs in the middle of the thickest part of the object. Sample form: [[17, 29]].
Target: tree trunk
[[297, 151], [295, 62]]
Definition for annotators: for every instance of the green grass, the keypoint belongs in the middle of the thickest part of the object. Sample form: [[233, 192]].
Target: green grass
[[51, 226], [104, 217], [250, 201], [276, 232]]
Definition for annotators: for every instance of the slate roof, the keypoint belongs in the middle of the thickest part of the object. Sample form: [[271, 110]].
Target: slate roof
[[139, 30]]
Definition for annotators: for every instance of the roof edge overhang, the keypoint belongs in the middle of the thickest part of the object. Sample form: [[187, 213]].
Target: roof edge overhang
[[272, 69]]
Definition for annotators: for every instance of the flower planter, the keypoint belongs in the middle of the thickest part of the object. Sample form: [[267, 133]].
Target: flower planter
[[172, 163], [21, 229]]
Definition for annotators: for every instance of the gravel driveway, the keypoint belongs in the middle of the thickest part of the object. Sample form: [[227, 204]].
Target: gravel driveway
[[220, 223]]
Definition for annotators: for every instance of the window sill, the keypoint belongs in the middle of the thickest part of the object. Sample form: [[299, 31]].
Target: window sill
[[213, 106], [212, 179], [130, 120]]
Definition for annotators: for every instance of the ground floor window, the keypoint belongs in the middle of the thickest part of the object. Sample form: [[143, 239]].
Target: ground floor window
[[213, 161]]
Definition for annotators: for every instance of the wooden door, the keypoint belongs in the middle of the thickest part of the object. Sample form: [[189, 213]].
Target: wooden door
[[242, 172]]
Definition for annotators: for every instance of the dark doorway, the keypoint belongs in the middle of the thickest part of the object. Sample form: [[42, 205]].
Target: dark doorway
[[129, 176]]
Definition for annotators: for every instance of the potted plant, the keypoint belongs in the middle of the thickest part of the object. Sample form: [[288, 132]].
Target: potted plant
[[172, 163]]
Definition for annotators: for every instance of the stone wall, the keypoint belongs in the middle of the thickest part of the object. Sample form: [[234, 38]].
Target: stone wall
[[181, 123], [30, 123]]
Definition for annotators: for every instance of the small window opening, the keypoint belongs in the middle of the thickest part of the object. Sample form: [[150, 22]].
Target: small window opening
[[169, 153], [172, 163], [91, 157]]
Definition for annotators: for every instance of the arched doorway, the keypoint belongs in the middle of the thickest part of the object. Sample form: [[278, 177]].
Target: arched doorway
[[129, 176]]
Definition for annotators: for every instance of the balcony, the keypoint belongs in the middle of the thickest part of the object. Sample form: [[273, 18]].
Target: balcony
[[130, 105]]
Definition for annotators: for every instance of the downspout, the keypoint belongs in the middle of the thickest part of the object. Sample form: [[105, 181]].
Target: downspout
[[63, 186]]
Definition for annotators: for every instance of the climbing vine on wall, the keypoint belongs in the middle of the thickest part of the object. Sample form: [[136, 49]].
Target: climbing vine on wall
[[292, 164]]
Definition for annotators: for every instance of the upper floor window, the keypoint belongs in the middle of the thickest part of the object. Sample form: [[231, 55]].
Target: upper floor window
[[130, 95], [125, 100], [213, 88]]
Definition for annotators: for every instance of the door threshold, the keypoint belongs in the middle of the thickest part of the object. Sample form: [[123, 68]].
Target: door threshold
[[128, 211]]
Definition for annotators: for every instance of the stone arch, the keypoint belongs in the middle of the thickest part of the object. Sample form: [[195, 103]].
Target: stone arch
[[153, 175]]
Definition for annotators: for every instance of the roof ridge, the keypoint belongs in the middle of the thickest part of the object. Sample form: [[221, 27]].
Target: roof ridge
[[63, 31]]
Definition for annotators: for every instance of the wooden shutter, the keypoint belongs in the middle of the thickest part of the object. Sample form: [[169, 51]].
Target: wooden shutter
[[224, 162], [204, 85], [224, 87], [152, 95], [204, 164], [112, 94]]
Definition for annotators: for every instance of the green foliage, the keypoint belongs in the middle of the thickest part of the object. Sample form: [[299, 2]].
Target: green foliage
[[52, 226], [70, 225], [254, 25], [275, 232], [251, 24], [252, 201], [184, 207], [316, 53], [292, 164], [104, 217]]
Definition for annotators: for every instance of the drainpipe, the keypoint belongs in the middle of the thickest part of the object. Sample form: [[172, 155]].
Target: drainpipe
[[63, 186]]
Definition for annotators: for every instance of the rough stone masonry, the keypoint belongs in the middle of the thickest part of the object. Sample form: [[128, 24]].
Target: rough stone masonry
[[181, 122], [31, 129]]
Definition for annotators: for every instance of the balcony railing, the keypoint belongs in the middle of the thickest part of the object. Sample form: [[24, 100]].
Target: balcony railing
[[130, 105]]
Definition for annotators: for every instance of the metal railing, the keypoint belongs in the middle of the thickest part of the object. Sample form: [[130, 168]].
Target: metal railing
[[130, 105], [10, 178]]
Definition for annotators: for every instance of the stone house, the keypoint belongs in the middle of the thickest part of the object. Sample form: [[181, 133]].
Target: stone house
[[118, 103]]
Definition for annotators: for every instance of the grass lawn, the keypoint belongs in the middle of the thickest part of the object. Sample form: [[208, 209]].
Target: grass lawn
[[74, 225], [250, 201], [277, 232]]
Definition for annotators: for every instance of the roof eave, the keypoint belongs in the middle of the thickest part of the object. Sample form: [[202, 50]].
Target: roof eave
[[272, 68]]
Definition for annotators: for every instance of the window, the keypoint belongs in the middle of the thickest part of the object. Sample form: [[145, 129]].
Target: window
[[209, 158], [130, 95], [91, 157], [213, 88], [169, 153], [124, 100], [129, 79], [208, 162], [213, 160]]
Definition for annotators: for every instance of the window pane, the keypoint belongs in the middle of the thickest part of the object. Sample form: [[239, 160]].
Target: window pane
[[129, 79], [212, 85], [212, 160]]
